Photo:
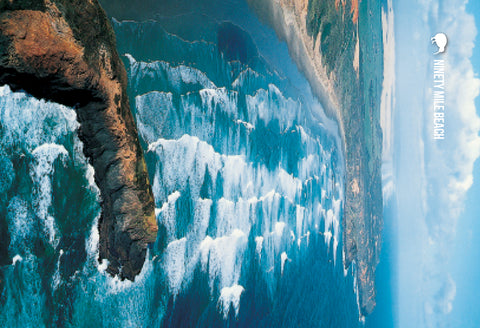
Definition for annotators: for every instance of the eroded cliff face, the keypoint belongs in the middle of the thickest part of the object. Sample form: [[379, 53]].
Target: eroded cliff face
[[64, 51]]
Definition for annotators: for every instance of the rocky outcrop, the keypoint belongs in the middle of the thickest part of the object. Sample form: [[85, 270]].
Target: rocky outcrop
[[64, 51]]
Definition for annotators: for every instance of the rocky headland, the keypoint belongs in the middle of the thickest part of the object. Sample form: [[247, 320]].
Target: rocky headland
[[65, 51]]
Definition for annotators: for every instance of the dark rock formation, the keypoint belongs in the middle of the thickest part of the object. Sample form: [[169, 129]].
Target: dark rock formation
[[64, 51]]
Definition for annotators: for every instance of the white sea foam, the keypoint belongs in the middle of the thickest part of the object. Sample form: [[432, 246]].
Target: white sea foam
[[174, 264], [198, 137], [279, 227], [153, 110], [163, 73], [222, 257], [56, 280], [262, 103], [230, 296], [250, 192], [246, 76], [246, 124], [167, 215], [92, 243], [38, 130], [258, 245], [17, 258], [283, 259], [20, 225], [219, 97], [23, 118], [45, 156]]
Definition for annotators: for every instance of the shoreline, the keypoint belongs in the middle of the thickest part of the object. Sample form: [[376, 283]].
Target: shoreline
[[355, 111], [289, 24]]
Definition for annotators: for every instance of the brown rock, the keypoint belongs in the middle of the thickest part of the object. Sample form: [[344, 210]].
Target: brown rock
[[64, 51]]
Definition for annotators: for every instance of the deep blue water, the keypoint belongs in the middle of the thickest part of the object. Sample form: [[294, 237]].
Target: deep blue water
[[248, 183]]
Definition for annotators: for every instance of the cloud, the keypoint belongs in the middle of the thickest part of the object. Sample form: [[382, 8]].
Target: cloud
[[442, 300], [440, 172], [387, 102], [449, 163]]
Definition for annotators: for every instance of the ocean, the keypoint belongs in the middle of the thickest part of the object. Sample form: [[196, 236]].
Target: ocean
[[247, 174]]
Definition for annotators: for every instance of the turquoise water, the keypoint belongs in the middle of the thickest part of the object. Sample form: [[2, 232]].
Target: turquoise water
[[248, 183]]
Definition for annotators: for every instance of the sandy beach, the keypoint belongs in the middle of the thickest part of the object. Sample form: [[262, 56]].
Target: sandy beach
[[289, 20]]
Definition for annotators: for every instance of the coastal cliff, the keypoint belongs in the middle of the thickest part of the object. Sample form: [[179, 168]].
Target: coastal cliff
[[64, 51], [337, 45]]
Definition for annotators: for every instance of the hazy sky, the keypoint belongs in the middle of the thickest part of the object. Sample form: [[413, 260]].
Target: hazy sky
[[466, 271], [435, 182]]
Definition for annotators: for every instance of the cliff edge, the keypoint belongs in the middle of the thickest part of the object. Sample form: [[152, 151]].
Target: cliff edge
[[64, 51]]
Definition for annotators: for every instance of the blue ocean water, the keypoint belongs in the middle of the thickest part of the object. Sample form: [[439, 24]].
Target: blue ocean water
[[247, 175]]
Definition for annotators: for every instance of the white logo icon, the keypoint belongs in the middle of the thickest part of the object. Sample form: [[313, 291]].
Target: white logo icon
[[440, 39]]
